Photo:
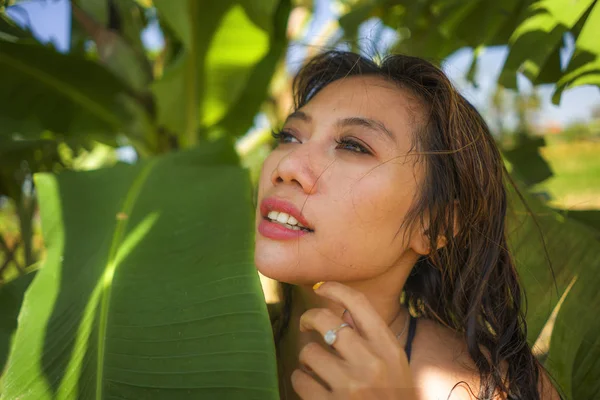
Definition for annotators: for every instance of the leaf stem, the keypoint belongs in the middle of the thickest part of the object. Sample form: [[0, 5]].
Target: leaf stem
[[109, 272], [191, 136]]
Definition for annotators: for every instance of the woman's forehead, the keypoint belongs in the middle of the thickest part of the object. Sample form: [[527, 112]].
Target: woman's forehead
[[372, 94], [370, 97]]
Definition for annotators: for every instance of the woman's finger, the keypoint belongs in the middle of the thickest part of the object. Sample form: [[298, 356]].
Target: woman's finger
[[366, 319], [327, 366], [349, 345], [308, 388]]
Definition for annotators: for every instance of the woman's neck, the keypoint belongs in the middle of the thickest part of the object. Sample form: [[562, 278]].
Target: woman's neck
[[383, 295]]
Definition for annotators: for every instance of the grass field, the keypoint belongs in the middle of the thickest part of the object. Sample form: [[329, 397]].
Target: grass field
[[576, 181]]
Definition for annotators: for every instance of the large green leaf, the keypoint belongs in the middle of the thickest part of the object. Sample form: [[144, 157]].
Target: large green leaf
[[589, 218], [584, 66], [261, 12], [118, 41], [533, 30], [63, 93], [534, 40], [148, 290], [10, 31], [570, 282], [551, 70], [526, 160], [115, 28], [240, 116], [11, 297], [575, 344], [483, 26], [221, 46]]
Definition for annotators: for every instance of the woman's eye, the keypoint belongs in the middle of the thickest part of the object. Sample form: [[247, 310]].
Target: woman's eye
[[352, 145], [284, 137]]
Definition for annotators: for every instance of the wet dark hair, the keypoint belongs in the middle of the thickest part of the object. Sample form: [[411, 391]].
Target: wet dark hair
[[471, 284]]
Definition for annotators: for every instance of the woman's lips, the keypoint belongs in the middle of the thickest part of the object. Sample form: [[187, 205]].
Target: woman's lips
[[280, 205], [275, 230], [278, 231]]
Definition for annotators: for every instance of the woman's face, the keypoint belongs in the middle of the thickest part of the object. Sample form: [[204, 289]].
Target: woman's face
[[341, 168]]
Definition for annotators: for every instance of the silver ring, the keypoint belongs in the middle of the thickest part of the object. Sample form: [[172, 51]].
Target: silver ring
[[331, 335]]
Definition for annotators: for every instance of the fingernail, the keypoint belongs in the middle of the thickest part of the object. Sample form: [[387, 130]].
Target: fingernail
[[317, 285]]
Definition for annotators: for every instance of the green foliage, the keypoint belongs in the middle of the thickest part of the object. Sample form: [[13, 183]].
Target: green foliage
[[573, 280], [589, 218], [217, 56], [209, 75], [11, 297], [203, 332], [539, 35], [212, 76], [240, 116], [584, 67], [528, 164], [11, 32], [65, 93], [533, 30], [141, 294], [118, 40]]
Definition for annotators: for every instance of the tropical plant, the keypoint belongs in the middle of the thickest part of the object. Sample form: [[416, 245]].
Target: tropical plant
[[101, 320], [209, 80], [532, 29], [558, 260], [147, 289]]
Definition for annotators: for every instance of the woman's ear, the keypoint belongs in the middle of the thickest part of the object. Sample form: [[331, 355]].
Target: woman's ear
[[420, 239]]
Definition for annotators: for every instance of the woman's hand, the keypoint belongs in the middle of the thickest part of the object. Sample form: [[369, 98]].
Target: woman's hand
[[370, 363]]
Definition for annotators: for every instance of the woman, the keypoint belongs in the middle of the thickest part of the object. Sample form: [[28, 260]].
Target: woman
[[387, 185]]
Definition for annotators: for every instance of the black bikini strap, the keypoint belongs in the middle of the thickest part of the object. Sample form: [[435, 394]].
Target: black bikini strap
[[412, 329]]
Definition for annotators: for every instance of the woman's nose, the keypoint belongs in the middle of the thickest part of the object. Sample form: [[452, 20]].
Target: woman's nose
[[297, 168]]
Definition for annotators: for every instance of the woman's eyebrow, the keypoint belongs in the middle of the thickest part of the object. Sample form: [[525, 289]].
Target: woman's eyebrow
[[299, 115], [372, 124]]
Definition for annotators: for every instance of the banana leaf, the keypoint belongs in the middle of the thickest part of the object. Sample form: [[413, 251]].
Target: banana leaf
[[241, 113], [118, 39], [67, 94], [558, 260], [584, 66], [11, 297], [532, 29], [149, 289], [221, 45]]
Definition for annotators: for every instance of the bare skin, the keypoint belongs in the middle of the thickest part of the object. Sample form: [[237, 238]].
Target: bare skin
[[344, 161]]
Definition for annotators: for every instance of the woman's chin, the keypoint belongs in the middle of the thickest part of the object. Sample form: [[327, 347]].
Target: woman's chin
[[284, 270]]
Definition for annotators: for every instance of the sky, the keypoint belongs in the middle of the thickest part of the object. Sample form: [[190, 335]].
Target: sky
[[50, 21]]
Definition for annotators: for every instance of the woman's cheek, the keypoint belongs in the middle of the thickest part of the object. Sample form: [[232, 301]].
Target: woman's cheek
[[378, 211], [376, 200], [265, 173]]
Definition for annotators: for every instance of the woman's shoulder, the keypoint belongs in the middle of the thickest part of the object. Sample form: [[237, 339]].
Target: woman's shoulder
[[440, 363]]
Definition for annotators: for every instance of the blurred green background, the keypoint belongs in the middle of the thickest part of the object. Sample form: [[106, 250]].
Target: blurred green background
[[570, 128], [99, 85]]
